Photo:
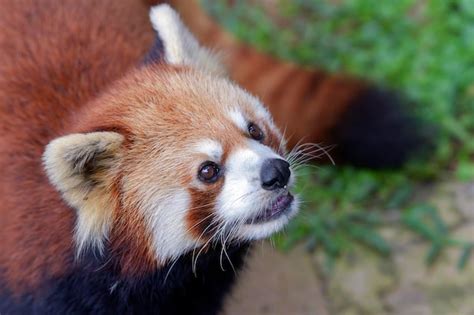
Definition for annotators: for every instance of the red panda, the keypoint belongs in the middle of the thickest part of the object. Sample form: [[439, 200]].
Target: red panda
[[133, 180], [367, 125]]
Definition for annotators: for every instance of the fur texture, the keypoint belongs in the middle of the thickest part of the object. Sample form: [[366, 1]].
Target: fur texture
[[46, 76], [97, 287], [104, 139]]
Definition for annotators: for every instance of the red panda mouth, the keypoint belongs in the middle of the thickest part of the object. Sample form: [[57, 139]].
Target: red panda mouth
[[281, 206]]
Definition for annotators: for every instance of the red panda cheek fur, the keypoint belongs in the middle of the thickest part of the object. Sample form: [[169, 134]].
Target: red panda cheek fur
[[201, 216], [131, 243]]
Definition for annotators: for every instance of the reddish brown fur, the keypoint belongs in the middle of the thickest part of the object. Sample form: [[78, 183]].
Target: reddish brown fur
[[131, 242], [57, 58], [201, 218], [129, 235], [40, 73]]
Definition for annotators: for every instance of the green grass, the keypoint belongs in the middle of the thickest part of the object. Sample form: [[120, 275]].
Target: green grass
[[424, 49]]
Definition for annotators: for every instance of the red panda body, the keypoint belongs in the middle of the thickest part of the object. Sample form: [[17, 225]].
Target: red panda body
[[56, 56], [87, 248]]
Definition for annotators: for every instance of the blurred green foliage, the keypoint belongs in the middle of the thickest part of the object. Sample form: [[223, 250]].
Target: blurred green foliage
[[424, 49]]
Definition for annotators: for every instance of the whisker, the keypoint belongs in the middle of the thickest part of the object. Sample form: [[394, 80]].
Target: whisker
[[169, 271]]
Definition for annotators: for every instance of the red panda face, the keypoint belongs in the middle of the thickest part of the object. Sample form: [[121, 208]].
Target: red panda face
[[173, 158], [208, 164]]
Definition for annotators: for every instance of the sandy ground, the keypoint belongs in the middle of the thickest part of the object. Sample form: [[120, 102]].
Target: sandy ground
[[276, 283], [363, 283]]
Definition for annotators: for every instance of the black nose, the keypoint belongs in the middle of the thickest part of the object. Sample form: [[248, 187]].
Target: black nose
[[274, 174]]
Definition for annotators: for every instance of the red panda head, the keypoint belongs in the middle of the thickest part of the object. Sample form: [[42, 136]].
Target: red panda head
[[173, 157]]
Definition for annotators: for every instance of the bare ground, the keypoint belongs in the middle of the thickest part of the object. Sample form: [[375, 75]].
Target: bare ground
[[363, 283]]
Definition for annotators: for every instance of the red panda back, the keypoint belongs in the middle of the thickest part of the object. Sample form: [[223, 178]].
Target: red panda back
[[50, 67], [56, 55]]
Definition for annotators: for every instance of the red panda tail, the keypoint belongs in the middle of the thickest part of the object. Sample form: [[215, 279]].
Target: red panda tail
[[378, 130]]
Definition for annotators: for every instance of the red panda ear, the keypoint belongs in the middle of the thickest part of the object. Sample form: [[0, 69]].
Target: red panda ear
[[82, 167], [179, 46]]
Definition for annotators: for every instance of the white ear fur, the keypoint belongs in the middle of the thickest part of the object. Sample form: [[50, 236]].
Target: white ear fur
[[81, 167], [180, 46]]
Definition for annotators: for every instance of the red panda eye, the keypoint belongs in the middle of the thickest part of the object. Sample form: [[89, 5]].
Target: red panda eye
[[255, 132], [209, 172]]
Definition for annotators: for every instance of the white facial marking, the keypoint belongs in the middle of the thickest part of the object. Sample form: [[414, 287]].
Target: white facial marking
[[260, 110], [166, 218], [238, 119], [211, 148], [242, 181]]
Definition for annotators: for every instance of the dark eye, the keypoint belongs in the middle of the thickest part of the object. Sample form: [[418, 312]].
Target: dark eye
[[209, 172], [255, 132]]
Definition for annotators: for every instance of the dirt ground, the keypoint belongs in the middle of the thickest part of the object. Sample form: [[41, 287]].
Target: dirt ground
[[362, 283], [277, 284]]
